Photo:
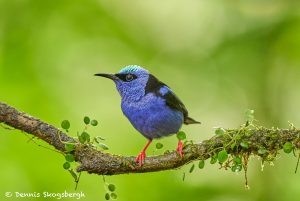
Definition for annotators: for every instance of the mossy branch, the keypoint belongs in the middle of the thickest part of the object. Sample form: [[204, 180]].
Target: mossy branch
[[242, 142]]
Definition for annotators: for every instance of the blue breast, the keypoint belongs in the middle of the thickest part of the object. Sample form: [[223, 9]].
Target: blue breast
[[152, 117]]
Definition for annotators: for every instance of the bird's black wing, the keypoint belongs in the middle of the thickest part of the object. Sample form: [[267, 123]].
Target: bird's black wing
[[174, 102], [155, 86]]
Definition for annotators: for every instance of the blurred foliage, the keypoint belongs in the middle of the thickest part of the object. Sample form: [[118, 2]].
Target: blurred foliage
[[220, 57]]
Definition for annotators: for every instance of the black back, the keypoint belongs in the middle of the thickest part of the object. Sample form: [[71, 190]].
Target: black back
[[154, 85]]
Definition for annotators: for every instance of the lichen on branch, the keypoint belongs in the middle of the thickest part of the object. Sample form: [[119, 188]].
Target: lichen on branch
[[230, 147]]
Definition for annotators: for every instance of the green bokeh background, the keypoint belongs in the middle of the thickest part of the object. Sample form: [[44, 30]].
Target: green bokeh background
[[220, 57]]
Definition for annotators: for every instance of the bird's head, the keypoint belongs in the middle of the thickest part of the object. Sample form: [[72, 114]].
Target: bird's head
[[130, 81]]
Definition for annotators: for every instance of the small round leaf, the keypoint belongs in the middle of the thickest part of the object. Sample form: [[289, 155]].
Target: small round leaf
[[81, 139], [245, 145], [66, 165], [262, 151], [107, 196], [181, 135], [222, 156], [249, 115], [237, 160], [111, 187], [201, 164], [94, 122], [214, 159], [65, 124], [69, 147], [70, 157], [159, 145], [113, 196], [219, 131], [85, 137], [236, 168], [288, 147], [86, 120]]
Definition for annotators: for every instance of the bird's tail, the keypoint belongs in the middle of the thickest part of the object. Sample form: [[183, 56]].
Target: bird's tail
[[189, 120]]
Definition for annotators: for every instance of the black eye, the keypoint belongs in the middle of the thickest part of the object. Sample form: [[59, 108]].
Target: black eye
[[129, 77], [126, 77]]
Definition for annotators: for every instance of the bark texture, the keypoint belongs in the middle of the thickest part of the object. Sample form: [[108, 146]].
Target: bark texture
[[94, 161]]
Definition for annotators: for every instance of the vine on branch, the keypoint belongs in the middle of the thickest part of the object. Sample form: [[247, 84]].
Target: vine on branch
[[231, 148]]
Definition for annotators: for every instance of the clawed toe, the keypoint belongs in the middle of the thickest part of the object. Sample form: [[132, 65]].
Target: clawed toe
[[140, 158]]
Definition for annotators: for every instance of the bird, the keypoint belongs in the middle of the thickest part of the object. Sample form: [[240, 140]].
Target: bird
[[150, 105]]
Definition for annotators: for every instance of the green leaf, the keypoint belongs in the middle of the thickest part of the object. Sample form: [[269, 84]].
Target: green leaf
[[181, 135], [249, 115], [237, 160], [66, 165], [214, 159], [103, 146], [159, 145], [219, 131], [69, 147], [262, 151], [94, 122], [222, 156], [111, 187], [192, 168], [84, 137], [183, 176], [86, 120], [201, 164], [70, 157], [74, 175], [288, 147], [107, 196], [248, 133], [238, 137], [245, 145], [65, 124], [237, 168], [113, 196], [98, 138], [81, 139]]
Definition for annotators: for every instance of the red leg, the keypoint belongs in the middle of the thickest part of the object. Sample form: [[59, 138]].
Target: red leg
[[141, 157], [179, 148]]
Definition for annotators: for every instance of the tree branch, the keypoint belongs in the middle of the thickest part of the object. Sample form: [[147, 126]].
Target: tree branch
[[98, 162]]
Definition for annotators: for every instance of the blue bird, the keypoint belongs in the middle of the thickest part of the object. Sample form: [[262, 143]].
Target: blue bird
[[150, 105]]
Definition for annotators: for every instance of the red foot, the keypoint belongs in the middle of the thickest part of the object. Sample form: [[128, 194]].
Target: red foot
[[179, 148], [141, 158]]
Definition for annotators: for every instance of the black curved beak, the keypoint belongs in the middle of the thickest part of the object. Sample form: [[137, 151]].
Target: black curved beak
[[109, 76]]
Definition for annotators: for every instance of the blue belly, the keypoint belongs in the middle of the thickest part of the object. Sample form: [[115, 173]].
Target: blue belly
[[152, 117]]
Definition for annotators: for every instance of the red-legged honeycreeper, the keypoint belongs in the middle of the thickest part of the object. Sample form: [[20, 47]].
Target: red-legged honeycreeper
[[150, 105]]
